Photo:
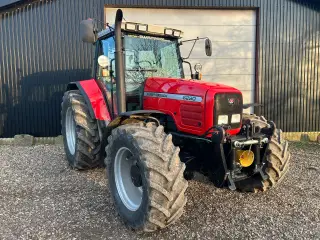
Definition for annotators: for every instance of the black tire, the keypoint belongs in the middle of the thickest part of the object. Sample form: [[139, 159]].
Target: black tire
[[87, 152], [163, 184], [278, 160]]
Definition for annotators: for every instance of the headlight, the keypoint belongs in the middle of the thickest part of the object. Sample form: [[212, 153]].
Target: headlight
[[222, 119], [235, 118]]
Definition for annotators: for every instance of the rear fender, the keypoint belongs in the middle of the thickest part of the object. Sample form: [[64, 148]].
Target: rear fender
[[93, 97]]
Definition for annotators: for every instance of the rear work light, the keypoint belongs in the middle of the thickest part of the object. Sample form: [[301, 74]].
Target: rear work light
[[143, 27], [176, 33], [131, 26], [152, 29], [168, 31], [172, 32]]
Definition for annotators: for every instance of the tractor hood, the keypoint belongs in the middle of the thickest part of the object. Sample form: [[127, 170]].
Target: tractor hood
[[193, 104], [190, 87]]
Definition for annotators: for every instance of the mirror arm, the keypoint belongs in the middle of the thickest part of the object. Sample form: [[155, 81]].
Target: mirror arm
[[194, 39], [189, 65], [104, 25], [192, 75], [95, 29], [194, 43]]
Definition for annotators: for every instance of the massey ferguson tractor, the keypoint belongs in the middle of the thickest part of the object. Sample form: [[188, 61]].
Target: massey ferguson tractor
[[153, 127]]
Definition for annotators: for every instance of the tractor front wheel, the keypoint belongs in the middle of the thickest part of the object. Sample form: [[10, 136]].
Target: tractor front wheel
[[80, 132], [278, 159], [145, 176]]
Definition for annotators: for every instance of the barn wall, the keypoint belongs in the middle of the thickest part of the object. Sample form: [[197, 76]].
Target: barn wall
[[41, 51]]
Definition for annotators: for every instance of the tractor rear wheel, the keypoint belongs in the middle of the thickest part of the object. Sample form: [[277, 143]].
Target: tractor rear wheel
[[80, 132], [145, 176], [278, 160]]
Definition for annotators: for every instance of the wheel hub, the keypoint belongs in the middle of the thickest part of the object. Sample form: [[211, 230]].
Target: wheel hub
[[70, 131], [136, 176], [128, 179]]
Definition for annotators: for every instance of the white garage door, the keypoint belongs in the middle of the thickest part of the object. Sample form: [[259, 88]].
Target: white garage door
[[232, 33]]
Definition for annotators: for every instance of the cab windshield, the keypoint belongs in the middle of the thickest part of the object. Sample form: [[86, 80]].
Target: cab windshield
[[147, 56]]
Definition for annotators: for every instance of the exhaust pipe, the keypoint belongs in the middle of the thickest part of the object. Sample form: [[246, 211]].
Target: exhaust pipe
[[119, 55]]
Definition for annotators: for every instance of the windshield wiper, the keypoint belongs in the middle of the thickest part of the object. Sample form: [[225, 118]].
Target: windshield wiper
[[142, 70]]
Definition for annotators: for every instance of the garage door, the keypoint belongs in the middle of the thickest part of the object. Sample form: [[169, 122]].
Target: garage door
[[232, 33]]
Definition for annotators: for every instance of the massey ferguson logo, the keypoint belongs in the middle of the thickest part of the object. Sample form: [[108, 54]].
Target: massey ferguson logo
[[231, 101]]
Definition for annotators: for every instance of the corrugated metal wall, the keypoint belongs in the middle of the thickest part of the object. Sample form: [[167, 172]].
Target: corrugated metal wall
[[41, 51]]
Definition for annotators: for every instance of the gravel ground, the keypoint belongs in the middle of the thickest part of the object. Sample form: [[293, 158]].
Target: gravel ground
[[42, 198]]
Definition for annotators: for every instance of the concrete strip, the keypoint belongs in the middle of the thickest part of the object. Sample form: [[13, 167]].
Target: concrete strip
[[6, 141], [23, 140], [28, 140], [302, 136]]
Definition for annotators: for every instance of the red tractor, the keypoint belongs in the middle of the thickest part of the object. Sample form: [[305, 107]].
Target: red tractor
[[155, 128]]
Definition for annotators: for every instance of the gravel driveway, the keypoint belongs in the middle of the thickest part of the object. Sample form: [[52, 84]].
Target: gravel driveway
[[42, 198]]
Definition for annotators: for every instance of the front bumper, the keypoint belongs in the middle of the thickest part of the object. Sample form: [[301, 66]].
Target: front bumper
[[226, 146]]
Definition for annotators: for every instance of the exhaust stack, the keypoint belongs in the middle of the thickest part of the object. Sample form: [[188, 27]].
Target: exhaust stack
[[119, 55]]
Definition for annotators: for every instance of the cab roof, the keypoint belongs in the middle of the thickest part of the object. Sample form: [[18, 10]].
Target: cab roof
[[144, 29]]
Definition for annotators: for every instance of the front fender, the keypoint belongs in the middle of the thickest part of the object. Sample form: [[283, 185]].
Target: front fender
[[94, 98]]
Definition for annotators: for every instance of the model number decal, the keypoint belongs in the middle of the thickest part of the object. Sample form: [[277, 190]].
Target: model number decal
[[189, 98], [174, 96]]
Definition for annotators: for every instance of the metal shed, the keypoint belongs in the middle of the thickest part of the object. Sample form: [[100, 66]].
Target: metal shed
[[268, 49]]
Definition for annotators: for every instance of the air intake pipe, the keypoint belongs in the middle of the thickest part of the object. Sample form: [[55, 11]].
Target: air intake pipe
[[120, 68]]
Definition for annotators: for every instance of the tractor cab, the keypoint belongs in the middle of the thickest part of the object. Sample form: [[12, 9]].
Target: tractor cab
[[148, 51], [145, 51]]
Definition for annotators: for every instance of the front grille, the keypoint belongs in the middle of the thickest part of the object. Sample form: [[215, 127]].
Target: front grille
[[227, 104]]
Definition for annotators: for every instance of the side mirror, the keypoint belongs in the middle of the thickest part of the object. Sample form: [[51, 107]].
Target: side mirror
[[208, 47], [87, 31]]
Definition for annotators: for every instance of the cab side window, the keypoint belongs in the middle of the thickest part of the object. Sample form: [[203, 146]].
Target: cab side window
[[107, 48]]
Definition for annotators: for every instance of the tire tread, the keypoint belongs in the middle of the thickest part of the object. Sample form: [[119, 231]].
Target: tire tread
[[167, 200], [88, 151], [278, 158]]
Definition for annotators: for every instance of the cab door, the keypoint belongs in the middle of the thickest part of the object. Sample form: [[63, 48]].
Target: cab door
[[105, 76]]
